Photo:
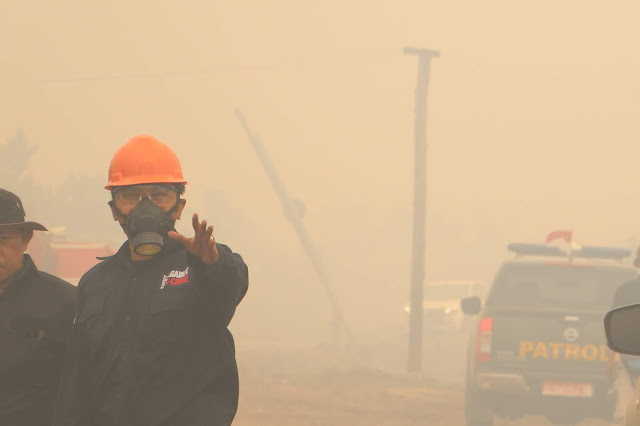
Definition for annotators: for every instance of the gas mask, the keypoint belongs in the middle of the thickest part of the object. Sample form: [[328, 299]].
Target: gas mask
[[148, 226]]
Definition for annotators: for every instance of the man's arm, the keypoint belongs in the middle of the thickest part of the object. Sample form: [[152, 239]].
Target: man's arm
[[221, 285], [221, 275], [71, 402]]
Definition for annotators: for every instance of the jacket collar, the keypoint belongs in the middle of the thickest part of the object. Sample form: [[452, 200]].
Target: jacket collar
[[27, 271]]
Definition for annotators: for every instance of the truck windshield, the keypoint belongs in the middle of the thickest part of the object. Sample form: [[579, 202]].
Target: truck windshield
[[551, 285]]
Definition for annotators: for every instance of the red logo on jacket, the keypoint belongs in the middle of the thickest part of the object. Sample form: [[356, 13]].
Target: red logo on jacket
[[175, 278]]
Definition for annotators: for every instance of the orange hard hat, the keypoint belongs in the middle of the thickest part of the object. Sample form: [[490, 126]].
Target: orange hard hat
[[142, 160]]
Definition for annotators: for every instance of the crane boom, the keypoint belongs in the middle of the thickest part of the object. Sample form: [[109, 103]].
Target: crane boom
[[294, 217]]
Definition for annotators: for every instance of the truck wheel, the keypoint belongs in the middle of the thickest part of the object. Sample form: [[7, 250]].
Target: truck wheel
[[477, 409]]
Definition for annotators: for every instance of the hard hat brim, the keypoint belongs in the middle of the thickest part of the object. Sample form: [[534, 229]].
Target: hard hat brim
[[146, 180]]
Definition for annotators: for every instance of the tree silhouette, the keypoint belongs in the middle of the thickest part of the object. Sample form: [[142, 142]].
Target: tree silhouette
[[15, 157], [76, 203]]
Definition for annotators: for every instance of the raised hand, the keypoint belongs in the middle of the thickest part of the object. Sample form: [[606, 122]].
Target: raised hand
[[202, 244]]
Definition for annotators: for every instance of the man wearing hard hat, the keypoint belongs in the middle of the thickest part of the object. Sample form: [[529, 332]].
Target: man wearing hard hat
[[150, 344], [36, 315]]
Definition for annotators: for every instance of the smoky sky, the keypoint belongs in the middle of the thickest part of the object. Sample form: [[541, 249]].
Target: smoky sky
[[532, 126]]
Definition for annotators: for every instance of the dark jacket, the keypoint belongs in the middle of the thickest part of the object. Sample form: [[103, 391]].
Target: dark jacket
[[36, 315], [150, 344]]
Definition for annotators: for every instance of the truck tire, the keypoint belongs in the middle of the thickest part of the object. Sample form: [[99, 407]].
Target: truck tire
[[477, 409]]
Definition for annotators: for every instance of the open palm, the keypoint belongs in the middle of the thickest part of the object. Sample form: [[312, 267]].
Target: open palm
[[202, 244]]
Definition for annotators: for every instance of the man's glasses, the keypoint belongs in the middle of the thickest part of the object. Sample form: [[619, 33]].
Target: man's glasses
[[158, 194]]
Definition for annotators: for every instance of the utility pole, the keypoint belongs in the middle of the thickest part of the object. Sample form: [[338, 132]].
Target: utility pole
[[294, 216], [416, 315]]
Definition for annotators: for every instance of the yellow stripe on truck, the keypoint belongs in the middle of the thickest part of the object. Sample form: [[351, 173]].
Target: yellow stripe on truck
[[565, 351]]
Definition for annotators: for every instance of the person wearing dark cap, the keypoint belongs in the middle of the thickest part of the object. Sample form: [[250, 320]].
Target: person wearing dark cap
[[36, 318]]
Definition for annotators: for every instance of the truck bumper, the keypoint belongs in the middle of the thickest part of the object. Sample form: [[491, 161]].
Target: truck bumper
[[502, 382]]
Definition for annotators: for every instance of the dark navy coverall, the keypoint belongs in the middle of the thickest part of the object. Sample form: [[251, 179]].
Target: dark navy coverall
[[150, 345]]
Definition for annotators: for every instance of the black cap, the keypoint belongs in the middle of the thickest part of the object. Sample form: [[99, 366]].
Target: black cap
[[12, 213]]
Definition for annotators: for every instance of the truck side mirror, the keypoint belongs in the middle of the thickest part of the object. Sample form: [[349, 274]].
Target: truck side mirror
[[471, 305], [621, 328]]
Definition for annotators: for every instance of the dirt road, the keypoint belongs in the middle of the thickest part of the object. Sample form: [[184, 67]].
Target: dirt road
[[355, 399], [280, 389], [346, 399]]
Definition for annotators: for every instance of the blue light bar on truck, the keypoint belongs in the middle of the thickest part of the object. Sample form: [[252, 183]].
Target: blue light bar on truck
[[585, 252], [526, 249], [592, 252]]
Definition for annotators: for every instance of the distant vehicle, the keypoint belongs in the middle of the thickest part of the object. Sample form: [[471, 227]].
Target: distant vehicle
[[623, 336], [67, 260], [537, 346], [442, 313]]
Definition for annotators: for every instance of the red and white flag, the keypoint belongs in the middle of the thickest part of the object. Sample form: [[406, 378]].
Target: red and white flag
[[556, 235]]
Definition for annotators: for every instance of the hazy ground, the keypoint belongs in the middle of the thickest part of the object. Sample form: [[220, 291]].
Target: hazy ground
[[303, 384]]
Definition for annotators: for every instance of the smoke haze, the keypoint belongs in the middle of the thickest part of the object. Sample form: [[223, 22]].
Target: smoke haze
[[533, 126]]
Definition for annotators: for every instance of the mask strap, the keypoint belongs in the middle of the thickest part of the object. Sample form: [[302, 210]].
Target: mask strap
[[112, 204], [168, 213]]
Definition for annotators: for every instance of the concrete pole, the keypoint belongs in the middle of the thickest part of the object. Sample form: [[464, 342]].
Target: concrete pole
[[416, 315]]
